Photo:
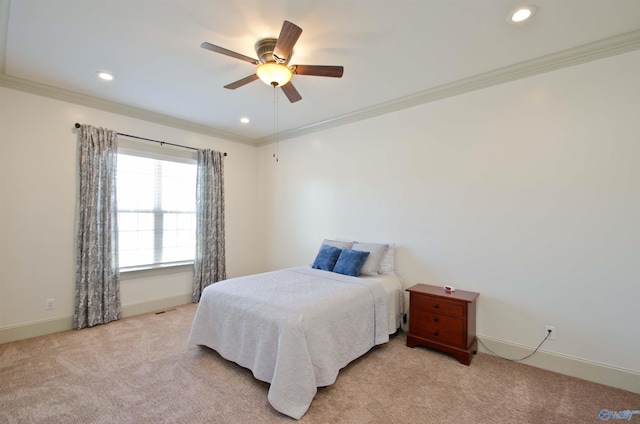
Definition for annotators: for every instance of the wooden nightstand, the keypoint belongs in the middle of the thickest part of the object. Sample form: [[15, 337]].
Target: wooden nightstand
[[443, 321]]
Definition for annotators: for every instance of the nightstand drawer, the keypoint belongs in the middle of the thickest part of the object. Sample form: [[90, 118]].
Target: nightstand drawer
[[436, 327], [434, 304]]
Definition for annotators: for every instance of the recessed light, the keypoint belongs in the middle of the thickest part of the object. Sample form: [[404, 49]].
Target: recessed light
[[105, 76], [521, 14], [244, 120]]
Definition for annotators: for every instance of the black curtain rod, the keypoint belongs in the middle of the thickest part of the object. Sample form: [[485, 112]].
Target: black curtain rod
[[77, 125]]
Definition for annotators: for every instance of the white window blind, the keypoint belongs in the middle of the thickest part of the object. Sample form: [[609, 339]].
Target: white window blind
[[156, 210]]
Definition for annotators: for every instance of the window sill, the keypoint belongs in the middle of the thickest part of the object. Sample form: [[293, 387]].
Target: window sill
[[131, 274]]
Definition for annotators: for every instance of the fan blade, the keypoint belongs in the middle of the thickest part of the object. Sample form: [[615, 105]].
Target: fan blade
[[291, 92], [226, 52], [241, 82], [319, 70], [289, 34]]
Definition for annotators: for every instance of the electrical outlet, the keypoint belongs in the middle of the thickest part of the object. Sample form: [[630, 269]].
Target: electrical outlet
[[552, 335], [51, 304]]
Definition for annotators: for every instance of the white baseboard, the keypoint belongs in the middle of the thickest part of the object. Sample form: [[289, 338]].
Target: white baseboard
[[564, 364], [35, 329], [40, 328]]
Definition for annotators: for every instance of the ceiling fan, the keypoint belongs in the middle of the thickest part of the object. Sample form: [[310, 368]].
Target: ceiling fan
[[273, 62]]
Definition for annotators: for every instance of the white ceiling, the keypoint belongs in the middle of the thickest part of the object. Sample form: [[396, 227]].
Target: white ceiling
[[391, 50]]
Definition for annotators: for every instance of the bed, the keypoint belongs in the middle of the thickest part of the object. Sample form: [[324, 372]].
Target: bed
[[296, 328]]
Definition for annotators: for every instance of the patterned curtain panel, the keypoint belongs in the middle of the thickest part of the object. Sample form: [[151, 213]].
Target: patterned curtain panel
[[97, 275], [209, 264]]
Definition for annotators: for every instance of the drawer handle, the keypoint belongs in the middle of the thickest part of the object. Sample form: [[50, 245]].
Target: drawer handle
[[436, 306], [435, 333], [436, 319]]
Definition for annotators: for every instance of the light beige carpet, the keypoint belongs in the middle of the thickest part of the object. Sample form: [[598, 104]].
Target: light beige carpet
[[141, 370]]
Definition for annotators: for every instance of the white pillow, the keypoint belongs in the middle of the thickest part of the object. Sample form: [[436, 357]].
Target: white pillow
[[376, 251], [388, 262], [338, 243]]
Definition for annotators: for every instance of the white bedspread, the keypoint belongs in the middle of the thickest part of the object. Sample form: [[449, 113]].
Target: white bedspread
[[294, 328]]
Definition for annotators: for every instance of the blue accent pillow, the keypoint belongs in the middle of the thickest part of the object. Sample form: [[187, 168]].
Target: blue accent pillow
[[326, 258], [350, 262]]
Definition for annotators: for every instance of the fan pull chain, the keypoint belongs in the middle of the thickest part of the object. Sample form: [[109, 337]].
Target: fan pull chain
[[275, 121]]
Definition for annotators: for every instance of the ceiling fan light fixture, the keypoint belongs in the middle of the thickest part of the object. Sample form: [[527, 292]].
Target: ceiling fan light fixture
[[274, 73]]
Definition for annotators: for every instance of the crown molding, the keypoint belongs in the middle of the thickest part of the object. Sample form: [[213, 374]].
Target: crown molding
[[612, 46]]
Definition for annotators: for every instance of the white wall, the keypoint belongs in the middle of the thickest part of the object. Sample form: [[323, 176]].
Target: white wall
[[527, 192], [38, 177]]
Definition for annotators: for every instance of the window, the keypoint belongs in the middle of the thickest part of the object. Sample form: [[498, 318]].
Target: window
[[156, 210]]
